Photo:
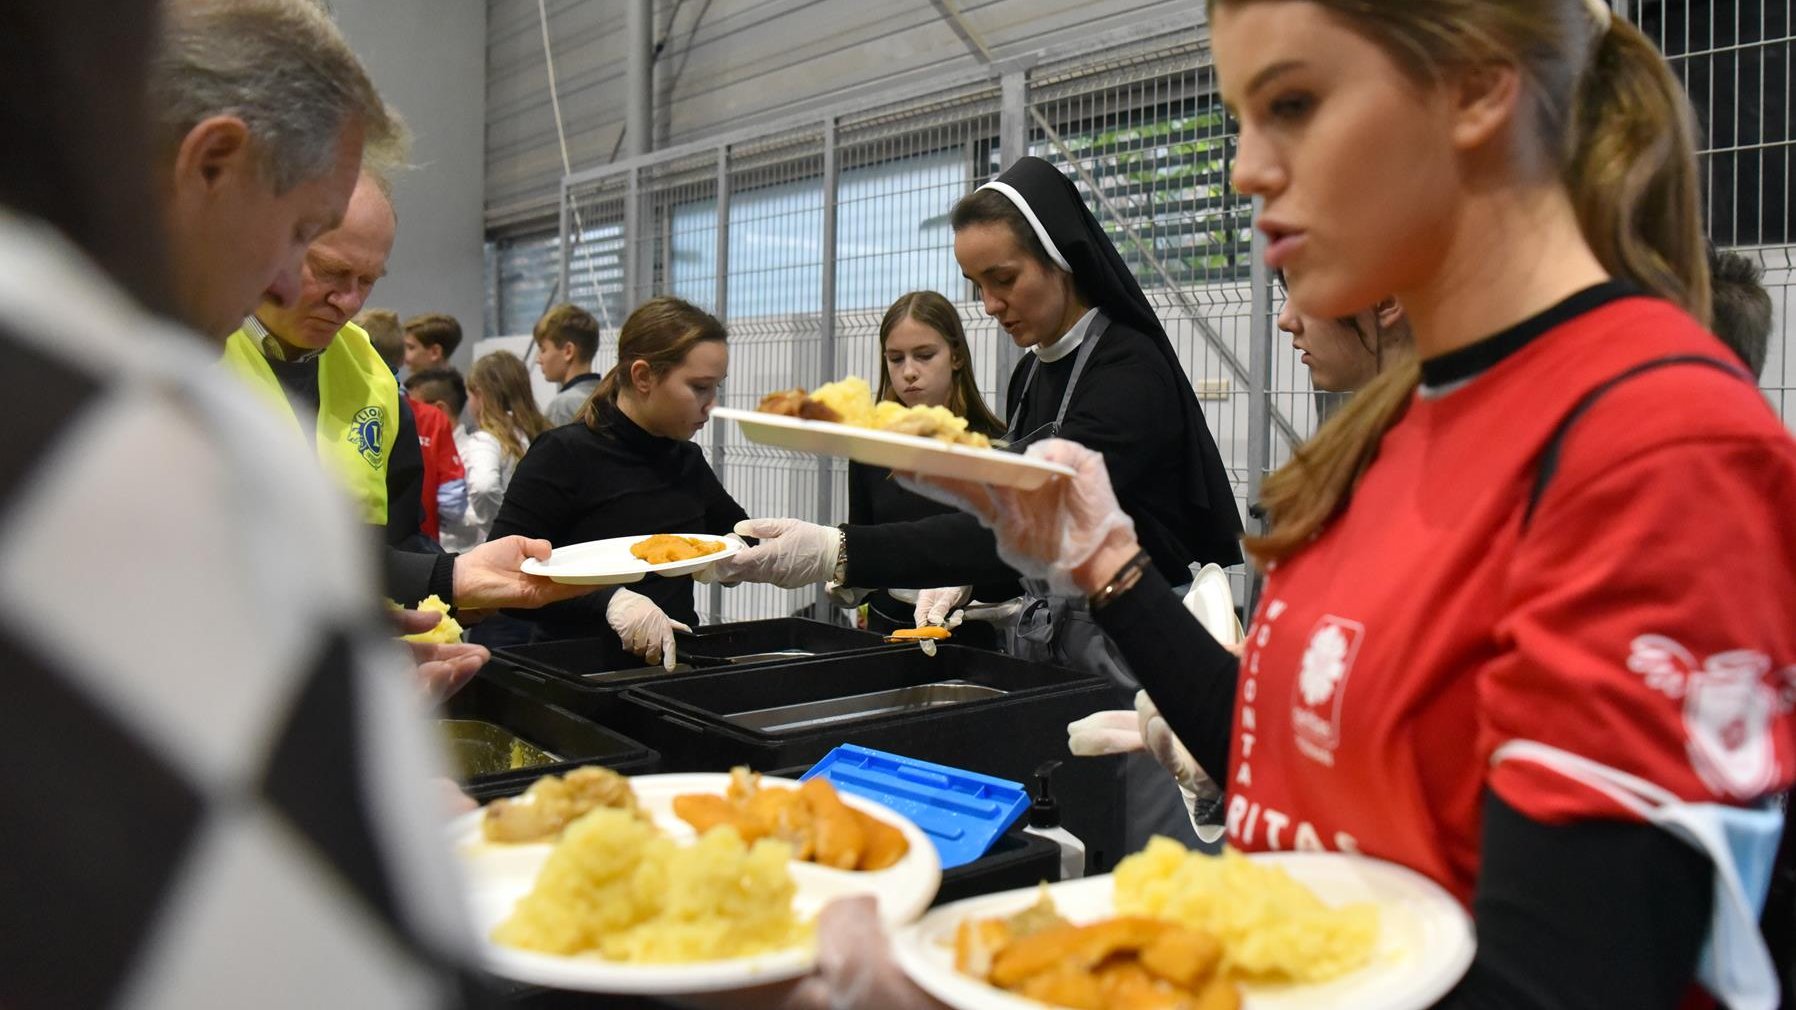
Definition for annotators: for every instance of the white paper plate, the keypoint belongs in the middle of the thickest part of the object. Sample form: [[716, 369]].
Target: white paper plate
[[1425, 938], [610, 563], [1212, 602], [911, 453], [498, 875]]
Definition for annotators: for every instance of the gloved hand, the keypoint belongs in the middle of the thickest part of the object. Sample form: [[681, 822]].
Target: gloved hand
[[1117, 731], [1203, 797], [645, 630], [855, 968], [792, 554], [941, 606], [1055, 532]]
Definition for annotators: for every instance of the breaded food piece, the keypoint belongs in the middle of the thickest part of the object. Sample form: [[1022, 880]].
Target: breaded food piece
[[1079, 946], [552, 803], [927, 631], [786, 402], [1218, 994], [811, 410], [1065, 985], [976, 944], [705, 811], [782, 814], [1126, 985], [1184, 957], [665, 548], [837, 833], [885, 844]]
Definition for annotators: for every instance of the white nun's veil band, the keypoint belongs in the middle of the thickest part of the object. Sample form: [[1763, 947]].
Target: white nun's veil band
[[1047, 241]]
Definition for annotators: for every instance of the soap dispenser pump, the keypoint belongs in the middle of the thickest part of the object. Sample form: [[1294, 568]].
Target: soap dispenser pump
[[1044, 820]]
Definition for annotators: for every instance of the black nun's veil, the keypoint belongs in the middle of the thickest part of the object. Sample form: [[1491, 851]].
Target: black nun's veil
[[1078, 245]]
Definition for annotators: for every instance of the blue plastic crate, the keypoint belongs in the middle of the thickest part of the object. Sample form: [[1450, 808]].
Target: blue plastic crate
[[962, 812]]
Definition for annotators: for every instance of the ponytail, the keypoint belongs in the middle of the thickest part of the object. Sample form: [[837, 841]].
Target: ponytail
[[1632, 171], [1315, 485]]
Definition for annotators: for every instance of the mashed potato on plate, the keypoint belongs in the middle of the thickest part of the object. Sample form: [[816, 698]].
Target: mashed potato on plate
[[1271, 927], [615, 887]]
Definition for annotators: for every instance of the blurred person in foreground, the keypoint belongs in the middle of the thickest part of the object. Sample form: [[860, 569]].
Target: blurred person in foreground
[[211, 733], [239, 820]]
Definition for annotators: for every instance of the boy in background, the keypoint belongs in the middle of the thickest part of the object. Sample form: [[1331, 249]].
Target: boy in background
[[430, 339], [567, 338], [445, 491]]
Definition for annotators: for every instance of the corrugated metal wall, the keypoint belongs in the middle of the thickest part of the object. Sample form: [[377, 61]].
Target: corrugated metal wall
[[727, 63]]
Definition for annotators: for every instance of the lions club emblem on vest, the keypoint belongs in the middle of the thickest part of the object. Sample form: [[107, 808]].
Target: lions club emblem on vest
[[365, 431]]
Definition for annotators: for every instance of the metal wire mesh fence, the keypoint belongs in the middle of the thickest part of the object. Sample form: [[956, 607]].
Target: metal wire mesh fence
[[801, 236]]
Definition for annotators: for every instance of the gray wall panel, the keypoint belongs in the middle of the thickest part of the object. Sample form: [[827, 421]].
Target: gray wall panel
[[730, 63]]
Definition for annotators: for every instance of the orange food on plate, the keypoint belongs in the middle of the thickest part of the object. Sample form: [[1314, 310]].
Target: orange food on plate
[[812, 819], [666, 548], [1121, 963]]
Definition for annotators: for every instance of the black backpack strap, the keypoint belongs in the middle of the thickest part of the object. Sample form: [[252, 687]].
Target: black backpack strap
[[1549, 456]]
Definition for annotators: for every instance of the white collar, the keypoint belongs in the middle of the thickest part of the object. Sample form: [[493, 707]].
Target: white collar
[[1069, 343]]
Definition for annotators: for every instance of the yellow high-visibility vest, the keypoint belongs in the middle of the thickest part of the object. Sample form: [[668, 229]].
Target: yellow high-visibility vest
[[358, 411]]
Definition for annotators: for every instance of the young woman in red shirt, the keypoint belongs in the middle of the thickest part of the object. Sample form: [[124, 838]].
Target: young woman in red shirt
[[1530, 596]]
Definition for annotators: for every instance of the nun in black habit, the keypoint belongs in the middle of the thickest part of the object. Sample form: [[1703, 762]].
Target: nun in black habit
[[1100, 371]]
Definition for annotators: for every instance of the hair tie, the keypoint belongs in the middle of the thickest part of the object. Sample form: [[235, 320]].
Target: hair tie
[[1605, 17]]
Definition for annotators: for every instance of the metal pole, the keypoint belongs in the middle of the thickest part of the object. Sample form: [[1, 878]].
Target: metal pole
[[720, 301], [562, 248], [632, 240], [1259, 390], [638, 112], [827, 352], [1013, 143]]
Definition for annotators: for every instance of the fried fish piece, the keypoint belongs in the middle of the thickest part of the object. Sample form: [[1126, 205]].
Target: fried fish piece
[[1184, 957], [705, 811], [928, 631], [553, 802], [665, 548], [885, 845], [785, 402], [976, 944], [1064, 985], [837, 833], [1078, 946]]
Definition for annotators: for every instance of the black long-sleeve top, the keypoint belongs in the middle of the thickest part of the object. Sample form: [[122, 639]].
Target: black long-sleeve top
[[578, 483], [874, 498], [1592, 914], [1126, 406]]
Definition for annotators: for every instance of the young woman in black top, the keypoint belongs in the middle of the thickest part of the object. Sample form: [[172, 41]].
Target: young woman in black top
[[925, 363], [627, 467]]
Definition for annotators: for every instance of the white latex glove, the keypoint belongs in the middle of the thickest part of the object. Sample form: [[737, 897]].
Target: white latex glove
[[1117, 731], [1200, 791], [645, 630], [792, 554], [941, 606], [1051, 532]]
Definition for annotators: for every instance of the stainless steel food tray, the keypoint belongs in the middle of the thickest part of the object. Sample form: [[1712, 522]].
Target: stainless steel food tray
[[812, 714], [482, 748]]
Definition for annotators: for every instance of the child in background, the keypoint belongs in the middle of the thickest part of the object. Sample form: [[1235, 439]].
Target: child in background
[[567, 337], [430, 339], [505, 421], [445, 491]]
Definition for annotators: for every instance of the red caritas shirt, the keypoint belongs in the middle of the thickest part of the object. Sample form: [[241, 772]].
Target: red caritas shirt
[[442, 463], [1645, 618]]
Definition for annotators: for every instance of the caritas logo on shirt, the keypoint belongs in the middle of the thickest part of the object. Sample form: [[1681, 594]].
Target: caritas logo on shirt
[[1322, 686]]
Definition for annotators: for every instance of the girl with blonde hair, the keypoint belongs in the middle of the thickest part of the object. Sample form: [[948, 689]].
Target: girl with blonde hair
[[506, 419]]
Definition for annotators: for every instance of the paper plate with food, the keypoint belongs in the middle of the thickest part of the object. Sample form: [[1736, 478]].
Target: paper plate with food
[[627, 559], [1270, 931], [670, 884], [842, 419]]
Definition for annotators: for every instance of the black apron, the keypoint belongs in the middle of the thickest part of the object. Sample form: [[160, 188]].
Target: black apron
[[1060, 630]]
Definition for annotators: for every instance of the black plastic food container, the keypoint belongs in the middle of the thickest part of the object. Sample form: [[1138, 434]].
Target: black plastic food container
[[577, 740], [1014, 718], [588, 675]]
